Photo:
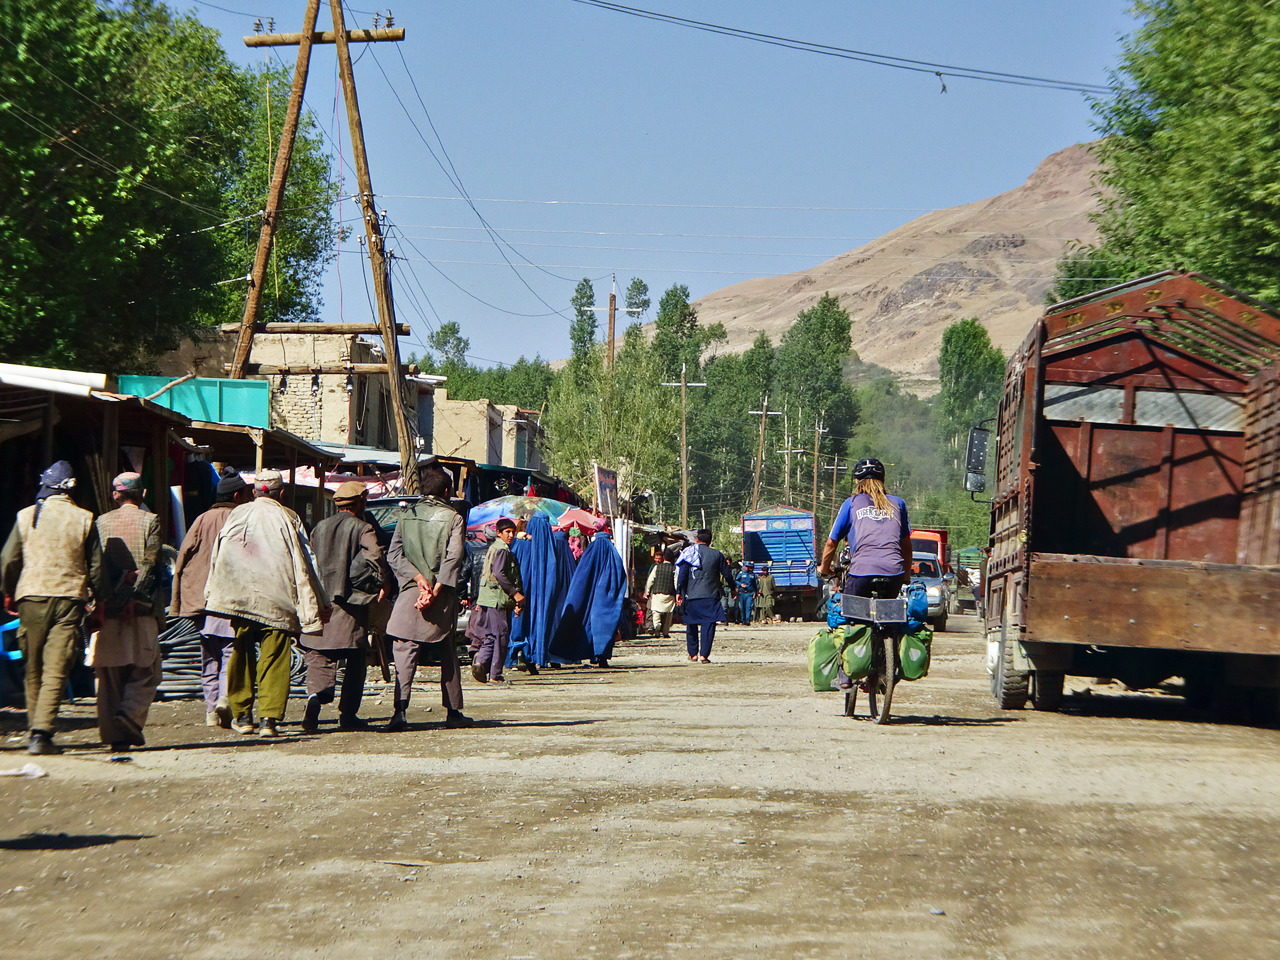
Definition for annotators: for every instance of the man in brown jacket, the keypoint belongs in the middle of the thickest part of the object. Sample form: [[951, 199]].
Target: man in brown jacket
[[126, 649], [354, 574], [51, 566], [426, 555], [190, 574]]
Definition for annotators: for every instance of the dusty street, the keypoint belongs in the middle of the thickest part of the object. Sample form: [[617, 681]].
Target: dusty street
[[660, 809]]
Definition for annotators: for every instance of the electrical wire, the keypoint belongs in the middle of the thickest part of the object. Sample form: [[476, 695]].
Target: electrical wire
[[732, 273], [57, 138], [726, 236], [661, 203], [735, 253], [938, 70]]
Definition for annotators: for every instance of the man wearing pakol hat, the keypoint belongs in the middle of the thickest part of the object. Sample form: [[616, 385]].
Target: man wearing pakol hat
[[354, 573], [51, 567], [263, 578], [125, 653], [190, 574], [426, 555]]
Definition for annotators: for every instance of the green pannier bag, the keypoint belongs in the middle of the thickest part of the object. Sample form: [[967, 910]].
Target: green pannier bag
[[855, 650], [913, 653], [824, 660]]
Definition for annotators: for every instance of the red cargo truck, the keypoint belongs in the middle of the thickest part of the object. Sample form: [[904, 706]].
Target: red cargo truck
[[1135, 526]]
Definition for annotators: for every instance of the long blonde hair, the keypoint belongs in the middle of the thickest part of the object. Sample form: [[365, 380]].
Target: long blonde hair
[[873, 487]]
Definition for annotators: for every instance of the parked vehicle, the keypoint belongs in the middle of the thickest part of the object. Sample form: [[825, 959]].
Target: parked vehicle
[[934, 542], [783, 537], [926, 569], [1137, 486]]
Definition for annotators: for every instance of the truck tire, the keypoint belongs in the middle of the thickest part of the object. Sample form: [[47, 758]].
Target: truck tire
[[939, 623], [1046, 689], [1009, 686]]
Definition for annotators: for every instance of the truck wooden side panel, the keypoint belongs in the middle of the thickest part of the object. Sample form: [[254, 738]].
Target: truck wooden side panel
[[1165, 604], [1260, 509], [1138, 473]]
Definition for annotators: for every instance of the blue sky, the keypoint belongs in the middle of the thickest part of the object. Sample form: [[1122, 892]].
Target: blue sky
[[673, 139]]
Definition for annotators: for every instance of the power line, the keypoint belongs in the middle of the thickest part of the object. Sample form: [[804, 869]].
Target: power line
[[736, 253], [660, 203], [63, 140], [938, 70], [726, 236], [732, 273]]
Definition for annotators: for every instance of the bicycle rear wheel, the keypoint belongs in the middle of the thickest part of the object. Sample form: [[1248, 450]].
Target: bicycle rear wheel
[[851, 699], [880, 686]]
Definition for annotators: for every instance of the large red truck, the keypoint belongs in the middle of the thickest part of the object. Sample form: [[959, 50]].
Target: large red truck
[[1135, 526]]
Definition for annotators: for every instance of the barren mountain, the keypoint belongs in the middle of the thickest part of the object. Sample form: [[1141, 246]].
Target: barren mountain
[[992, 259]]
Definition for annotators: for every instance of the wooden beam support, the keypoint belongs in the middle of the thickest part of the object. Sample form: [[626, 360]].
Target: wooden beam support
[[275, 194], [301, 369], [354, 329], [323, 36]]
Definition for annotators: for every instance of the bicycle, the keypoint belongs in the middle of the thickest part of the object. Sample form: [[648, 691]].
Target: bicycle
[[884, 610]]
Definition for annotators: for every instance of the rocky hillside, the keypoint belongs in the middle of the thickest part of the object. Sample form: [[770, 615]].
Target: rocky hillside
[[991, 259]]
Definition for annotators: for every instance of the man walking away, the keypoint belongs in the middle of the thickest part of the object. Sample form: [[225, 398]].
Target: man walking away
[[426, 556], [501, 592], [701, 569], [660, 593], [747, 585], [354, 574], [190, 575], [51, 566], [263, 578], [766, 588], [126, 649]]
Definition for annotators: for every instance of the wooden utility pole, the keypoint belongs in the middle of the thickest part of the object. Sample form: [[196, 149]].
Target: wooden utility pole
[[275, 194], [764, 412], [684, 386], [612, 310], [377, 259], [386, 322], [818, 431]]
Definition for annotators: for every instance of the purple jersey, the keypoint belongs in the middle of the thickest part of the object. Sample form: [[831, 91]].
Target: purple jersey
[[875, 537]]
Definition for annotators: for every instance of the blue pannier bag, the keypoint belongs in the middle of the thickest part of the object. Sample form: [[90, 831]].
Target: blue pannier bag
[[917, 602], [834, 616]]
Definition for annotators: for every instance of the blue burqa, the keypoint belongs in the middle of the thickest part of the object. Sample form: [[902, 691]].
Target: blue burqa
[[593, 608], [546, 583]]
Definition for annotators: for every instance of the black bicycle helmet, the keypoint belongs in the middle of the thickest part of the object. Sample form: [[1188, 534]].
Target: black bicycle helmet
[[868, 468]]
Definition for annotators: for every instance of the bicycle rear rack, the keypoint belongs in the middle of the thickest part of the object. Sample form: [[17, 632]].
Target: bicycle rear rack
[[873, 609]]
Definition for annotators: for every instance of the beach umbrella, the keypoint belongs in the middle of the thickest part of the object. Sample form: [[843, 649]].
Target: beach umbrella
[[486, 515]]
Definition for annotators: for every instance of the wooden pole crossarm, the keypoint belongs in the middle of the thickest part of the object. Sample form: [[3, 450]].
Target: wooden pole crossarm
[[354, 329], [302, 369], [323, 36]]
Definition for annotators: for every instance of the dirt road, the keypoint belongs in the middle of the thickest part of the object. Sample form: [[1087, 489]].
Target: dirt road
[[660, 809]]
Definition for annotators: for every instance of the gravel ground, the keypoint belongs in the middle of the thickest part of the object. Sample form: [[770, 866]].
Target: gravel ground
[[659, 809]]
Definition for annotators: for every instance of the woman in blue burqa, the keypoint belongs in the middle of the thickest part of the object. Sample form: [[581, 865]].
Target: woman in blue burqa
[[593, 607], [545, 568]]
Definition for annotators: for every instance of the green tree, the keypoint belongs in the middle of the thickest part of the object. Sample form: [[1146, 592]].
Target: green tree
[[677, 336], [449, 345], [619, 418], [637, 299], [122, 156], [971, 372], [582, 329], [1191, 170]]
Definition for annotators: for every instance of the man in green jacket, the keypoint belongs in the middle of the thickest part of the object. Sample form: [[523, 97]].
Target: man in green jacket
[[501, 593]]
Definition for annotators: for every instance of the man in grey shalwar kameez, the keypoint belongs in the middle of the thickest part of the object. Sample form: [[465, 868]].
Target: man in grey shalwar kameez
[[354, 574], [426, 555]]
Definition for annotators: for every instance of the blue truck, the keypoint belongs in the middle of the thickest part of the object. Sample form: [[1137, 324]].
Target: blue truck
[[783, 537]]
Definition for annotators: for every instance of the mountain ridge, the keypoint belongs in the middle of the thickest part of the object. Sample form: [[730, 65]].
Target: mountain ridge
[[993, 259]]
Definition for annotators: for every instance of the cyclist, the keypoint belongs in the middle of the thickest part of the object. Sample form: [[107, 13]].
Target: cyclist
[[879, 534]]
